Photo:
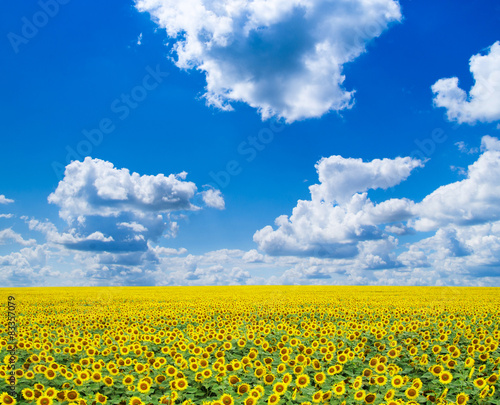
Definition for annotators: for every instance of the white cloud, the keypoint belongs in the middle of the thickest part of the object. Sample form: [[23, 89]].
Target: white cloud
[[253, 256], [339, 236], [283, 57], [112, 210], [483, 101], [6, 215], [5, 200], [462, 147], [473, 200], [213, 198], [96, 187], [339, 214], [10, 235]]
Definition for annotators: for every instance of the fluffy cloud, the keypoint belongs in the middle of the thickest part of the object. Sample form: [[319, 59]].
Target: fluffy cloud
[[112, 210], [483, 101], [339, 236], [340, 215], [213, 198], [464, 216], [473, 200], [5, 200], [284, 58], [10, 235]]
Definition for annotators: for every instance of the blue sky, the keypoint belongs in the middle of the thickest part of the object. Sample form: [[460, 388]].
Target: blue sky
[[256, 101]]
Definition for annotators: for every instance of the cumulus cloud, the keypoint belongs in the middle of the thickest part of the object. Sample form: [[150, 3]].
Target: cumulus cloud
[[112, 210], [5, 200], [355, 241], [213, 198], [10, 235], [473, 200], [340, 215], [284, 58], [6, 215], [253, 256], [483, 101], [340, 236]]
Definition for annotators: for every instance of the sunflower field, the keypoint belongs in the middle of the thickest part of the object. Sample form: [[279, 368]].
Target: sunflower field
[[251, 345]]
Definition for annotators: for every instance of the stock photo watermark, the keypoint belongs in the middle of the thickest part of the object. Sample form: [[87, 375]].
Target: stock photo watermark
[[121, 107], [32, 26]]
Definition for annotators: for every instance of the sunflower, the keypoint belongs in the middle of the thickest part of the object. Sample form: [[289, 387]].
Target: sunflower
[[273, 399], [100, 398], [144, 387], [436, 370], [28, 393], [72, 395], [359, 395], [302, 381], [227, 399], [250, 401], [370, 398], [268, 379], [259, 372], [389, 394], [469, 362], [50, 392], [462, 399], [381, 380], [287, 378], [7, 399], [135, 401], [319, 378], [445, 377], [96, 376], [358, 382], [108, 381], [412, 393], [492, 379], [484, 392], [397, 381], [339, 389], [42, 400], [479, 383], [317, 396], [243, 388], [128, 380]]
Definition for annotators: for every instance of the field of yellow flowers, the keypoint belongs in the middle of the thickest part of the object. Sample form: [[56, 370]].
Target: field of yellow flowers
[[251, 345]]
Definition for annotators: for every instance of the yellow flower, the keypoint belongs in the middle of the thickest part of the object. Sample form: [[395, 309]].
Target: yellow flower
[[8, 400], [144, 387], [279, 388], [412, 393], [28, 393], [135, 401], [445, 377], [480, 382], [226, 399], [359, 395], [397, 381], [273, 399], [462, 399], [302, 380], [42, 400], [339, 389]]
